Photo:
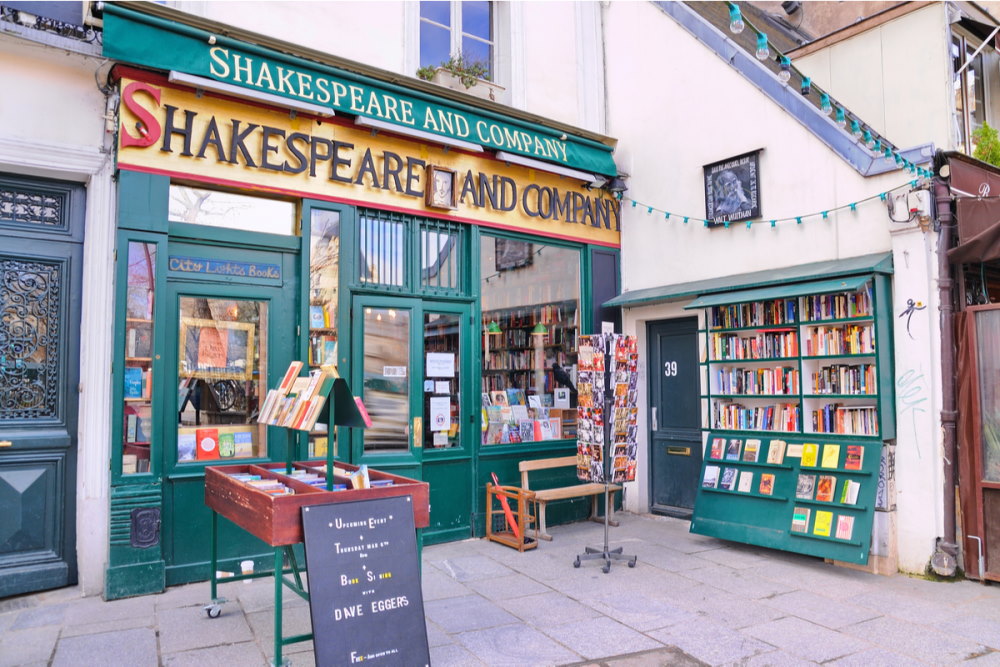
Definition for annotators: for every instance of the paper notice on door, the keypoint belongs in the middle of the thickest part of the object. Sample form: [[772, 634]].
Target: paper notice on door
[[442, 387], [394, 371], [440, 365], [440, 439], [428, 386], [440, 413]]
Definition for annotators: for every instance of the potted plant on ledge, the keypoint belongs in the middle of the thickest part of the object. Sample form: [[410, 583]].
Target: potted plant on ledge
[[463, 75]]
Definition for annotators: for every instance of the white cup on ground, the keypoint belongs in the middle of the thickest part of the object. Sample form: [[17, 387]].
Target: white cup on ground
[[246, 567]]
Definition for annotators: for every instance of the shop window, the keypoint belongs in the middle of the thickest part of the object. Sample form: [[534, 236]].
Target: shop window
[[386, 382], [216, 208], [324, 277], [440, 256], [382, 248], [530, 319], [969, 86], [448, 29], [138, 392], [222, 370], [988, 359]]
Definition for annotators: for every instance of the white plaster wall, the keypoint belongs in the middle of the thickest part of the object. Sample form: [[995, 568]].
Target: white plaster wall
[[53, 127], [906, 90], [695, 109], [548, 51], [919, 437]]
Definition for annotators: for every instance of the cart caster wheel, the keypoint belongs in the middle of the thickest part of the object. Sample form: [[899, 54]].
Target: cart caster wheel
[[631, 563], [213, 610], [606, 568], [576, 563]]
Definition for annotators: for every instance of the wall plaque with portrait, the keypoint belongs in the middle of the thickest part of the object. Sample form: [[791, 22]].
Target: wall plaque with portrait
[[439, 189], [732, 189]]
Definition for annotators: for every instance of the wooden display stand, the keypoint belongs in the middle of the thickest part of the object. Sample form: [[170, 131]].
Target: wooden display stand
[[523, 509], [277, 519]]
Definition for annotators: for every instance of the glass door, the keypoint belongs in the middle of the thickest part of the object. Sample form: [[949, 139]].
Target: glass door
[[227, 344]]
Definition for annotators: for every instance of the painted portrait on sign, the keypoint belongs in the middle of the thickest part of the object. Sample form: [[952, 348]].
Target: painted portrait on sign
[[440, 188], [732, 189]]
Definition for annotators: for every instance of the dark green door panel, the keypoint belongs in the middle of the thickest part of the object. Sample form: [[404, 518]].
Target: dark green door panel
[[675, 414], [451, 499], [41, 250]]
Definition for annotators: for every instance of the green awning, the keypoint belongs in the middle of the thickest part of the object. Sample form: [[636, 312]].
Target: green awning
[[133, 35], [848, 284], [834, 268]]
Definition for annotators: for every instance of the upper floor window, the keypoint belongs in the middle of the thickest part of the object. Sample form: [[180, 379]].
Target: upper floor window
[[451, 27], [970, 90]]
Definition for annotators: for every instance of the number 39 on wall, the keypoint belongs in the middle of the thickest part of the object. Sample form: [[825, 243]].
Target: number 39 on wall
[[669, 368]]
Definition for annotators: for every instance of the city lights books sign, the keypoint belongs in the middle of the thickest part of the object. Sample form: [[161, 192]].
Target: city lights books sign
[[732, 189]]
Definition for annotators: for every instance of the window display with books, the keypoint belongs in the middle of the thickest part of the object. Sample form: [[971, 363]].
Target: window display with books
[[799, 400], [530, 326], [222, 368], [324, 277], [137, 393]]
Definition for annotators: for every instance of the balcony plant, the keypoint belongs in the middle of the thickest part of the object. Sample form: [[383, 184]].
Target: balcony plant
[[459, 73]]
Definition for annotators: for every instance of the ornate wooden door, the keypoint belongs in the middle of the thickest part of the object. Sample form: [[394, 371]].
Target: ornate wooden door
[[41, 243]]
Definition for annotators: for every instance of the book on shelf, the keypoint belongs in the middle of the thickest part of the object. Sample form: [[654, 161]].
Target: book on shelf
[[227, 445], [243, 443], [516, 397], [319, 446], [849, 492], [746, 482], [800, 519], [831, 456], [728, 479], [186, 445], [766, 484], [845, 527], [718, 448], [133, 382], [751, 450], [131, 424], [733, 449], [804, 486], [825, 485], [208, 443], [130, 464], [499, 398], [810, 453], [854, 458], [824, 521], [711, 478], [776, 452], [317, 317], [794, 450]]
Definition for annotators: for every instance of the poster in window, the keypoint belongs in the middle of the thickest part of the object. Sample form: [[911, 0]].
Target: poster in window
[[215, 349], [511, 254], [732, 189]]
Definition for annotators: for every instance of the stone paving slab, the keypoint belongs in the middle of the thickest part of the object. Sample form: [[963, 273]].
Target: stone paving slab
[[515, 645], [820, 610], [655, 658], [918, 641], [129, 648], [469, 612], [453, 655], [711, 642], [22, 647], [188, 628], [738, 582], [875, 656], [506, 587], [107, 626], [245, 654], [549, 608], [435, 585], [807, 640], [640, 611], [600, 637], [732, 611]]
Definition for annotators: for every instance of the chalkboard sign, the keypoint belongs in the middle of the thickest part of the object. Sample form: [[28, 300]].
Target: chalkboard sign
[[364, 583]]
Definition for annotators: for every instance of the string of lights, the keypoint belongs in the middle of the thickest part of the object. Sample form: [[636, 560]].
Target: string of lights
[[798, 219], [878, 145]]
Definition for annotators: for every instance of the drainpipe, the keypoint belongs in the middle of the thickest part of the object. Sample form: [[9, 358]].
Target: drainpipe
[[945, 559]]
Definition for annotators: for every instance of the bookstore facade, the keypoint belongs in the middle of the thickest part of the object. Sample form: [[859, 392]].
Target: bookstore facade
[[453, 311]]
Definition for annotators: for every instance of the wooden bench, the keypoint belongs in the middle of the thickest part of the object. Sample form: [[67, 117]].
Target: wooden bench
[[543, 496]]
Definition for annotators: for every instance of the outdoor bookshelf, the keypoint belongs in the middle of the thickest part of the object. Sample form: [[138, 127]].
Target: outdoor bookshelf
[[807, 368]]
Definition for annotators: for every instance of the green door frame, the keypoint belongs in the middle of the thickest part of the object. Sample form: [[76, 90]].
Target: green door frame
[[185, 506]]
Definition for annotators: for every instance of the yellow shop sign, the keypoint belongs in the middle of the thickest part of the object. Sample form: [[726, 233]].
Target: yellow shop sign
[[168, 130]]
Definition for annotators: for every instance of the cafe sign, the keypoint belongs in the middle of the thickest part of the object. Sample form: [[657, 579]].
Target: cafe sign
[[136, 37]]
